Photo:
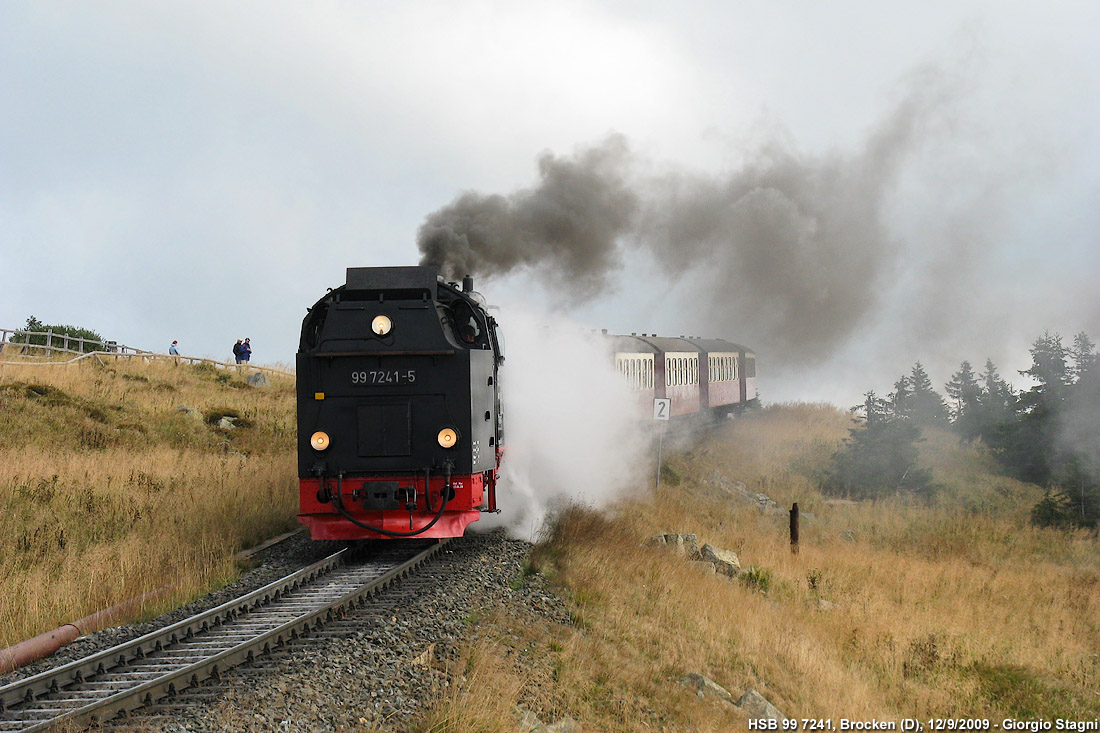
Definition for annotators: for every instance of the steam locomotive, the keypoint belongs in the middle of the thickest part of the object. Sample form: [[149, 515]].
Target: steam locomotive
[[400, 427]]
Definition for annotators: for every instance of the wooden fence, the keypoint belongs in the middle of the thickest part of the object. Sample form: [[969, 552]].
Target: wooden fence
[[58, 346], [57, 343]]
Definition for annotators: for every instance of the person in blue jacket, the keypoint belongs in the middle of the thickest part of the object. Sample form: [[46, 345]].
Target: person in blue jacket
[[246, 351]]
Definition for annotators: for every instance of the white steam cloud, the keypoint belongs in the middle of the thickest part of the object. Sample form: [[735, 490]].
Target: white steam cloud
[[572, 430]]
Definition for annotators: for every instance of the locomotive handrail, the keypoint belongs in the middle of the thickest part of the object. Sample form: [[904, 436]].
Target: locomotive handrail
[[444, 352]]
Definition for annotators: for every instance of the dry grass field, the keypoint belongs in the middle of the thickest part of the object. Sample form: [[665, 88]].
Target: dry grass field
[[957, 608], [109, 490]]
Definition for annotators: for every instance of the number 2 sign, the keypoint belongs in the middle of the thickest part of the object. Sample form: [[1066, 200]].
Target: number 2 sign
[[662, 408]]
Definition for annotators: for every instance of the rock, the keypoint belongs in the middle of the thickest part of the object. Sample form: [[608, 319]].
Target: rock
[[848, 535], [189, 411], [706, 687], [657, 540], [227, 423], [565, 725], [757, 707], [529, 722], [258, 379], [426, 657], [691, 544], [725, 562], [824, 605]]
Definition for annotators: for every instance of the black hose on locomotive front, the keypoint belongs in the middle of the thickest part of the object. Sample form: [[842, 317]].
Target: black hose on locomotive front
[[446, 495]]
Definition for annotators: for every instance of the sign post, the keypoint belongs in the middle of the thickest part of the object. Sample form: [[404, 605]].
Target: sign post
[[662, 408]]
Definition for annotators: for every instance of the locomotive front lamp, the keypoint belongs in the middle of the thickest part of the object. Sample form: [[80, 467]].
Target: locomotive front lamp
[[447, 437], [381, 325], [319, 440]]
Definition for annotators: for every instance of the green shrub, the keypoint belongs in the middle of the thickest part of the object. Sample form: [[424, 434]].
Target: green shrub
[[757, 578], [64, 337]]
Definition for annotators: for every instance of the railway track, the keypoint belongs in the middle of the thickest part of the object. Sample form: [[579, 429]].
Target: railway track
[[160, 664]]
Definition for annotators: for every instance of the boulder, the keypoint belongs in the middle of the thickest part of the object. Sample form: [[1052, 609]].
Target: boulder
[[725, 561], [258, 379], [675, 540], [189, 411], [565, 725], [757, 707], [706, 687], [691, 544]]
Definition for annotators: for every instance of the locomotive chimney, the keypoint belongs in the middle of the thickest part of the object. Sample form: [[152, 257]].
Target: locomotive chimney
[[467, 284]]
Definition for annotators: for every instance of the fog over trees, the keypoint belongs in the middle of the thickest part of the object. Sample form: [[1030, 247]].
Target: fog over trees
[[1048, 435]]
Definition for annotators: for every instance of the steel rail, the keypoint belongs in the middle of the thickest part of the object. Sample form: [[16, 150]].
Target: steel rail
[[159, 664]]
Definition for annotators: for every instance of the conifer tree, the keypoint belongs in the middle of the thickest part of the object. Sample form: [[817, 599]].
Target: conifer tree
[[965, 393], [879, 459], [917, 400], [1083, 354], [996, 402]]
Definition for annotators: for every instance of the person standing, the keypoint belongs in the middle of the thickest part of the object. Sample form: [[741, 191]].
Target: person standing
[[246, 352], [237, 351], [174, 349]]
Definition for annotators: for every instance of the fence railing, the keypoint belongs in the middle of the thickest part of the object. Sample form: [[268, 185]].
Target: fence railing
[[60, 345]]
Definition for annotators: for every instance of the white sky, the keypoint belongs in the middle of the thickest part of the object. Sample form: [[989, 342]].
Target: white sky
[[202, 171]]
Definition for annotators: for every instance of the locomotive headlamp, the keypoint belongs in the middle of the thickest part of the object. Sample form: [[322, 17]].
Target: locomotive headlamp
[[447, 437], [320, 440], [381, 325]]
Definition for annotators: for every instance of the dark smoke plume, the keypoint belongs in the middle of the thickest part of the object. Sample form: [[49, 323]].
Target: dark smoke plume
[[566, 226], [788, 253]]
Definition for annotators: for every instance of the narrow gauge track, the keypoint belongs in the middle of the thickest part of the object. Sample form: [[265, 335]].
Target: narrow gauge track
[[142, 671]]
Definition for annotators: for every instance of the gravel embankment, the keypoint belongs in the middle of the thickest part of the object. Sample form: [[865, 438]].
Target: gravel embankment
[[379, 668]]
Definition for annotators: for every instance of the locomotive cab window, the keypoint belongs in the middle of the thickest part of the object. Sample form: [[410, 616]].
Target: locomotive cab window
[[466, 325]]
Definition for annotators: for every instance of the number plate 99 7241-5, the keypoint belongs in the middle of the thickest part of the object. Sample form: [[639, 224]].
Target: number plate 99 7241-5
[[380, 377]]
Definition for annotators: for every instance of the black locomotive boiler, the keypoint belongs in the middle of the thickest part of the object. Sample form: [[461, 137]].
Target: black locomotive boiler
[[400, 427]]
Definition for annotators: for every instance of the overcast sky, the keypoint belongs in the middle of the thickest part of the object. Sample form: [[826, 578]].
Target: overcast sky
[[202, 171]]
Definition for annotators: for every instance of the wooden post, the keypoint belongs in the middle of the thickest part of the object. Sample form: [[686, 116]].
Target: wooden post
[[794, 528]]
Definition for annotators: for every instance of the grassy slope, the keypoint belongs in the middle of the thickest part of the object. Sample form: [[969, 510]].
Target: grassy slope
[[109, 490], [955, 609]]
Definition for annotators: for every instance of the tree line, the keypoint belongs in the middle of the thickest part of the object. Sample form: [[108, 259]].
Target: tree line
[[1048, 434]]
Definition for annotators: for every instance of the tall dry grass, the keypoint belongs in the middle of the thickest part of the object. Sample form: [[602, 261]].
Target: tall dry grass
[[109, 490], [890, 609]]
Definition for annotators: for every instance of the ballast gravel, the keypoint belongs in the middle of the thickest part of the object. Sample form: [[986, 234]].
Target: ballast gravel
[[378, 669]]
